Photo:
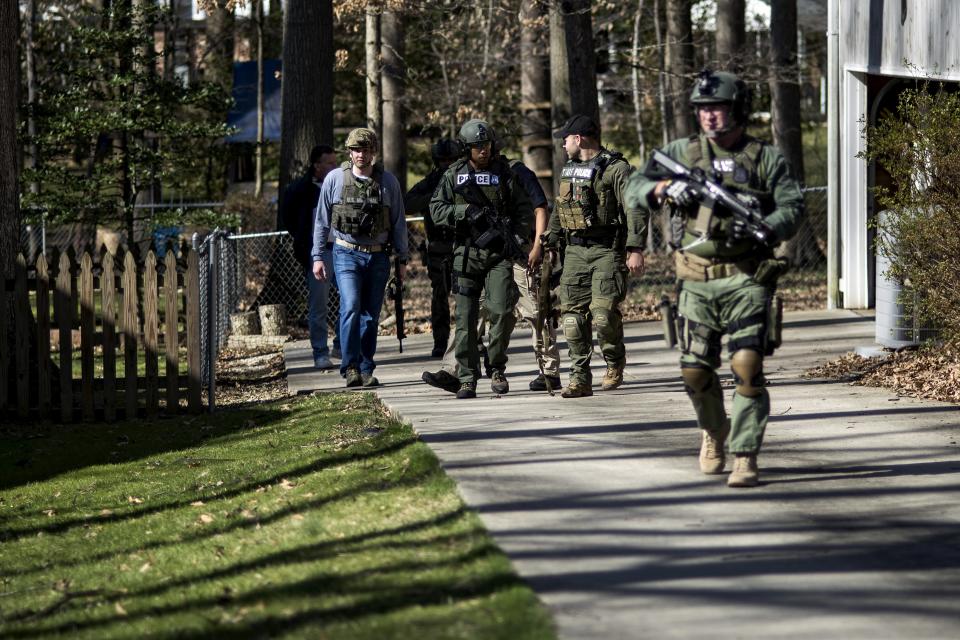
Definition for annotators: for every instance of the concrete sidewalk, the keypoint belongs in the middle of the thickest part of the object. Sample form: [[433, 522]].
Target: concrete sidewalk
[[599, 502]]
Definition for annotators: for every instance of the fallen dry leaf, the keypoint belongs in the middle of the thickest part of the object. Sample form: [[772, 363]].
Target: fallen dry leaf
[[134, 500], [118, 608], [205, 518]]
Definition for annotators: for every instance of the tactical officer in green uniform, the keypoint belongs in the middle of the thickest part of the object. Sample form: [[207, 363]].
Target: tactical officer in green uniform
[[438, 256], [604, 241], [480, 198], [726, 275]]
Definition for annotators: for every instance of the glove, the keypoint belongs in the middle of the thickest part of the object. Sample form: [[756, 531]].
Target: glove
[[549, 240], [679, 193], [760, 232], [473, 213]]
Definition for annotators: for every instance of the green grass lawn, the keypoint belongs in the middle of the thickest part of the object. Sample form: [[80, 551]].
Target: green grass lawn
[[319, 517]]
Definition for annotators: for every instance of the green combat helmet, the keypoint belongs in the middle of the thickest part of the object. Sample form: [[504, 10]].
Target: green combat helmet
[[362, 138], [477, 132], [719, 86], [444, 150]]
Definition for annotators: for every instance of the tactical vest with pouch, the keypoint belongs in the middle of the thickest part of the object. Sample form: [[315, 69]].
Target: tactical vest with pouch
[[493, 182], [361, 211], [584, 201], [739, 172]]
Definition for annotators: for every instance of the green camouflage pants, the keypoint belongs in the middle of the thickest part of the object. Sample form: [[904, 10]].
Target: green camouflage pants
[[593, 284], [737, 306], [476, 271]]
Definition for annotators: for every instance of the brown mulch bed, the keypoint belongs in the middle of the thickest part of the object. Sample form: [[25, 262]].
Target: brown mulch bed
[[932, 372]]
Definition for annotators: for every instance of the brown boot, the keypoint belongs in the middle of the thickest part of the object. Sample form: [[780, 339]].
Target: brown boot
[[745, 472], [577, 389], [712, 458], [613, 378]]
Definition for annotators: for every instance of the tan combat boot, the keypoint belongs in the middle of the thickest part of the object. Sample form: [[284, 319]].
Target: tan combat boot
[[745, 472], [712, 458], [613, 378], [576, 389]]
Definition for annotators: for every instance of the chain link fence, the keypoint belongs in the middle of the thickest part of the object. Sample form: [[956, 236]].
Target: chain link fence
[[240, 272]]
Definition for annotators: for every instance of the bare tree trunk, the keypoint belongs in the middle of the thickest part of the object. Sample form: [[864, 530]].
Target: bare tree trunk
[[785, 112], [307, 85], [535, 93], [731, 34], [33, 153], [635, 80], [9, 168], [573, 72], [258, 21], [394, 79], [374, 96], [679, 64], [221, 24], [666, 108]]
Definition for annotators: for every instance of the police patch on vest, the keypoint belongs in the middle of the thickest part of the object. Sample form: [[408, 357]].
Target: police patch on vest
[[482, 179], [725, 165], [578, 173]]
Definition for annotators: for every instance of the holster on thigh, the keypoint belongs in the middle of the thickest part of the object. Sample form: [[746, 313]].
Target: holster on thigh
[[699, 339]]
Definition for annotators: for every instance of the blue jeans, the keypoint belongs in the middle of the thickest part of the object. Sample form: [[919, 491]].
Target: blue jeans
[[361, 278], [318, 294]]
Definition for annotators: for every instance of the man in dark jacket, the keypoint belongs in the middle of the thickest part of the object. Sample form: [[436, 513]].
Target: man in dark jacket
[[438, 254], [297, 214]]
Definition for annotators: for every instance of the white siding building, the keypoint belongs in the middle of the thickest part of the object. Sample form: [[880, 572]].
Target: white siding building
[[877, 48]]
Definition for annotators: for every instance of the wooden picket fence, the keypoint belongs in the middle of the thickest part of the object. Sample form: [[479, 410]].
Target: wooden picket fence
[[108, 307]]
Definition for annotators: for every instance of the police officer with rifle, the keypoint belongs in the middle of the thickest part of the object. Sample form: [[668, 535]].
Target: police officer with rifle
[[481, 200], [732, 198]]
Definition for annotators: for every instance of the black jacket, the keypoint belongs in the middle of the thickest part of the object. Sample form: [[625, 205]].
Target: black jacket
[[297, 214]]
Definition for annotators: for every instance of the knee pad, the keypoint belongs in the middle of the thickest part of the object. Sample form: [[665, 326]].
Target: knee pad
[[747, 367], [572, 324], [697, 381]]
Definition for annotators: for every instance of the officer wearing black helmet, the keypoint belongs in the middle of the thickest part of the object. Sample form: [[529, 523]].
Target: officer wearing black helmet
[[726, 276], [438, 256], [482, 201]]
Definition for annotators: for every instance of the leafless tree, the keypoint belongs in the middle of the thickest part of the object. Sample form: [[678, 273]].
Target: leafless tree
[[535, 92]]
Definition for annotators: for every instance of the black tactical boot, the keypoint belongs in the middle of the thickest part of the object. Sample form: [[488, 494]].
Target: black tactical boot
[[498, 382], [540, 383], [441, 380], [467, 390]]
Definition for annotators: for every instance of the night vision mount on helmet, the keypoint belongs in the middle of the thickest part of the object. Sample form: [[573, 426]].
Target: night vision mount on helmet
[[474, 132], [715, 87]]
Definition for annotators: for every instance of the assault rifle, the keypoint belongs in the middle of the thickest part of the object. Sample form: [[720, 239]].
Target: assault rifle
[[395, 293], [544, 311], [710, 194], [484, 215]]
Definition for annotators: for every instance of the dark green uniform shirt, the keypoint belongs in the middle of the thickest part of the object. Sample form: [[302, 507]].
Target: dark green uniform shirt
[[447, 209], [775, 178], [614, 180]]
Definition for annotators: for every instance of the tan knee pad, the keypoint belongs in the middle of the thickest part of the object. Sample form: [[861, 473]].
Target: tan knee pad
[[697, 380], [747, 367]]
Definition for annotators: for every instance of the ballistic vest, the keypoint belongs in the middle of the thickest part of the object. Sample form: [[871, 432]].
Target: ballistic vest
[[493, 182], [347, 213], [582, 190], [739, 172]]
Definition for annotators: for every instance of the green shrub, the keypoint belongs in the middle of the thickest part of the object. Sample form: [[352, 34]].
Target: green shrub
[[918, 147]]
